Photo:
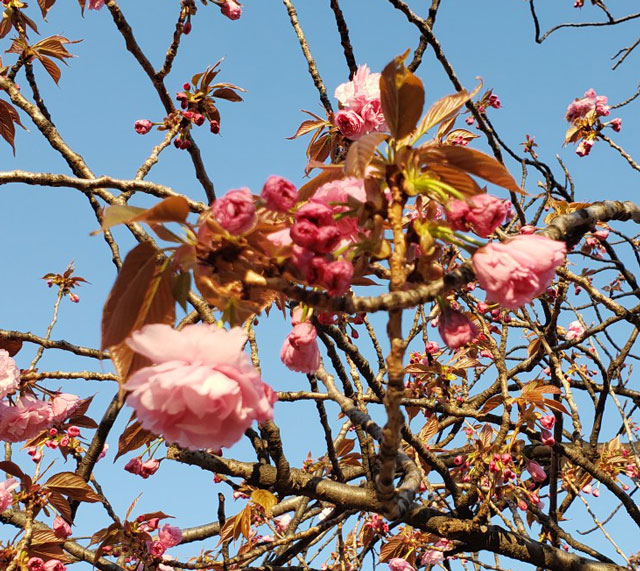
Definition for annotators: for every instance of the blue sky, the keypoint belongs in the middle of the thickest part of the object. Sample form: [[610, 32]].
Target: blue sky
[[103, 92]]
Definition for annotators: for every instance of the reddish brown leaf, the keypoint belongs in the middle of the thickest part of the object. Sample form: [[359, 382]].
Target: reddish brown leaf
[[226, 93], [132, 438], [73, 486], [11, 346], [361, 152], [52, 69], [58, 501], [308, 126], [401, 96]]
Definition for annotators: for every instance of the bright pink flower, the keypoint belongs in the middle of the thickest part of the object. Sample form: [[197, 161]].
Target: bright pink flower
[[590, 102], [432, 347], [337, 276], [456, 329], [575, 330], [537, 472], [341, 196], [548, 421], [351, 125], [616, 124], [61, 528], [9, 374], [134, 466], [235, 211], [169, 535], [54, 565], [315, 228], [279, 194], [483, 213], [35, 564], [6, 488], [96, 4], [157, 548], [601, 234], [25, 420], [231, 9], [63, 405], [202, 391], [143, 126], [149, 468], [373, 117], [435, 556], [547, 437], [73, 431], [399, 564], [300, 349], [515, 272]]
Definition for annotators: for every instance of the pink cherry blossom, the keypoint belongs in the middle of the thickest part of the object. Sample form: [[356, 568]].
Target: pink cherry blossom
[[282, 522], [513, 273], [548, 421], [61, 528], [399, 564], [63, 405], [134, 466], [351, 124], [537, 472], [96, 4], [337, 276], [300, 349], [143, 126], [9, 374], [486, 213], [231, 9], [6, 488], [575, 331], [616, 124], [25, 420], [341, 196], [547, 437], [363, 88], [456, 329], [202, 391], [169, 535], [149, 468], [35, 564], [279, 194], [281, 238], [235, 211]]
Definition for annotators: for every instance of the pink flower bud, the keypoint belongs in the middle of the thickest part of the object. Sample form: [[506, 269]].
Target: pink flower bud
[[456, 329], [547, 437], [61, 528], [134, 466], [214, 127], [73, 431], [186, 28], [149, 468], [279, 194], [143, 126], [337, 277], [231, 9], [548, 421]]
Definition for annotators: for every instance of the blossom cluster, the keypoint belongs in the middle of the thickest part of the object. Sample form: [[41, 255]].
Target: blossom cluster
[[360, 109]]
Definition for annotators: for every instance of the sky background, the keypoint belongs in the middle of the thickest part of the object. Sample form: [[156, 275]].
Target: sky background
[[103, 92]]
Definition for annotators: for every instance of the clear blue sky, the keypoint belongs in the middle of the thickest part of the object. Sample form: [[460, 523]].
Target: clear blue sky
[[103, 92]]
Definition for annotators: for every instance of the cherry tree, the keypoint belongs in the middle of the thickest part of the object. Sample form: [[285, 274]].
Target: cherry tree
[[460, 319]]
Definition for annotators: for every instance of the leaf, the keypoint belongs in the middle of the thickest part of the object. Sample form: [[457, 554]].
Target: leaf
[[45, 6], [491, 403], [172, 209], [555, 405], [15, 470], [73, 486], [11, 346], [265, 499], [8, 116], [140, 295], [360, 154], [226, 93], [132, 438], [459, 134], [481, 165], [308, 126], [117, 214], [401, 97], [52, 69], [236, 526], [456, 178], [181, 288], [429, 430], [346, 446], [58, 501]]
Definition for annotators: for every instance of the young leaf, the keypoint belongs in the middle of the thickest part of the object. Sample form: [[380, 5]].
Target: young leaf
[[361, 152], [401, 96], [132, 438], [73, 486], [265, 499]]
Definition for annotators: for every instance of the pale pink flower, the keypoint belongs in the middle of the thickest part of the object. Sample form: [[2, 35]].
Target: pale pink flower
[[435, 556], [601, 234], [324, 514], [584, 148], [231, 9], [279, 194], [482, 213], [537, 472], [399, 564], [169, 535], [513, 273], [281, 238], [143, 126], [63, 405], [202, 391], [25, 420], [9, 374], [61, 528], [362, 89], [300, 350], [575, 331], [282, 522], [54, 565], [149, 468], [6, 498], [456, 329], [235, 211]]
